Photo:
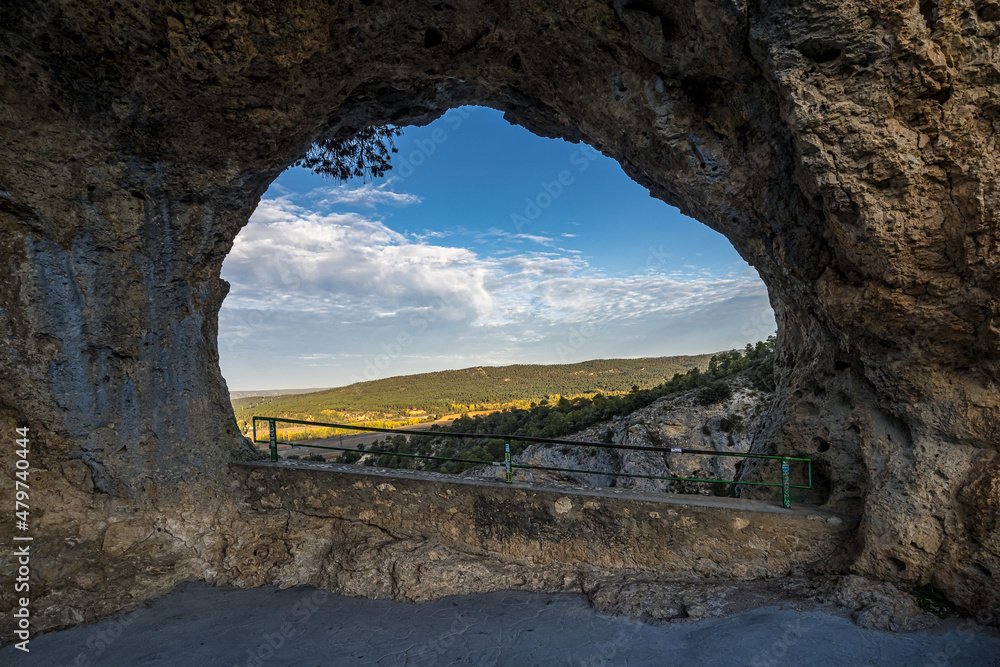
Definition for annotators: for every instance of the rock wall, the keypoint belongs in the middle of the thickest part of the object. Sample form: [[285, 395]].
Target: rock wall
[[847, 149], [420, 536]]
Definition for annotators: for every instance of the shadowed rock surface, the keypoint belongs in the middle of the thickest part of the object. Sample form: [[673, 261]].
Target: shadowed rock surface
[[410, 535], [847, 149]]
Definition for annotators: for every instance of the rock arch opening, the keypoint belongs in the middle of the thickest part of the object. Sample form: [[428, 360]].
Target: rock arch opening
[[487, 246], [510, 242], [846, 151]]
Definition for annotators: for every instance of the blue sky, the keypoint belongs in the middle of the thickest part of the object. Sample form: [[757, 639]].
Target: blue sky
[[484, 245]]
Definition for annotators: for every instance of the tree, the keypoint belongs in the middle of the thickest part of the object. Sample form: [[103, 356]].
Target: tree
[[366, 154]]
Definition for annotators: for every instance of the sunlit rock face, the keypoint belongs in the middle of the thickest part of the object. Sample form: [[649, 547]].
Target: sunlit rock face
[[683, 421], [847, 149]]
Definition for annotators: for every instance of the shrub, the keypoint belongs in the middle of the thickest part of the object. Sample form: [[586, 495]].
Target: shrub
[[716, 392]]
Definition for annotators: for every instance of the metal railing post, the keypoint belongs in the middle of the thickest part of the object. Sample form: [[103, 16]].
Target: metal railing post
[[786, 485], [273, 435], [510, 474]]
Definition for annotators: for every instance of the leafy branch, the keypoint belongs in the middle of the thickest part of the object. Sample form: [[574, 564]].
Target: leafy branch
[[368, 154]]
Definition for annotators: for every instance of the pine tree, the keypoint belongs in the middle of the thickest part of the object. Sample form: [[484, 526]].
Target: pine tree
[[366, 154]]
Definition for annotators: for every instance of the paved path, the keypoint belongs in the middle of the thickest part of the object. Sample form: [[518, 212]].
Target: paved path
[[203, 626]]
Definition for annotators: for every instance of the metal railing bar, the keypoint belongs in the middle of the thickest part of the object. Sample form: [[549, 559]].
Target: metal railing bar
[[785, 483], [412, 456], [671, 479], [525, 438], [524, 466]]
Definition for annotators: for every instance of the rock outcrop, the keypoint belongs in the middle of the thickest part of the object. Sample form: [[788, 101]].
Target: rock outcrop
[[681, 421], [847, 149]]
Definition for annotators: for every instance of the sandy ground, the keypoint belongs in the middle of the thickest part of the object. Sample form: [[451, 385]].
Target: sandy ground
[[199, 625]]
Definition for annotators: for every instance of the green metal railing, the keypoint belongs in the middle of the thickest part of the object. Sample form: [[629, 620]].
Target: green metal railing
[[785, 483]]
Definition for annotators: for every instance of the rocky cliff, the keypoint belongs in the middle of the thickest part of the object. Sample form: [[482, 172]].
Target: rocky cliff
[[847, 149], [683, 421]]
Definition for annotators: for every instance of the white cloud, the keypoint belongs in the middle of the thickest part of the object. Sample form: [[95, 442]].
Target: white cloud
[[501, 234], [368, 195], [310, 260], [323, 294], [428, 234], [534, 238]]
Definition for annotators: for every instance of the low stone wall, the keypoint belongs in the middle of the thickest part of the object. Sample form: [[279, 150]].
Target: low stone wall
[[410, 536]]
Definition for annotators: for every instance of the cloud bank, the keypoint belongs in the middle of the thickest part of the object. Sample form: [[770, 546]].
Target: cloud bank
[[322, 298]]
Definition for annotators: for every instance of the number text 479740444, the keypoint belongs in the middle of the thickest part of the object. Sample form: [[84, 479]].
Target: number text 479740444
[[22, 541]]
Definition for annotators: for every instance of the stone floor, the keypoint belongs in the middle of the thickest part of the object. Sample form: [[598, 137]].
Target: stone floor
[[199, 625]]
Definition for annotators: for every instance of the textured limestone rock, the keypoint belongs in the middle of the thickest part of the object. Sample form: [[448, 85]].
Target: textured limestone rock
[[419, 536], [676, 421], [847, 149], [880, 606]]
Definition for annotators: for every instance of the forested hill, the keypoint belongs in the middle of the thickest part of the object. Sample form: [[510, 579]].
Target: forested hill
[[484, 387]]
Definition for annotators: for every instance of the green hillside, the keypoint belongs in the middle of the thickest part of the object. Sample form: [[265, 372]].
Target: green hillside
[[753, 367], [480, 388]]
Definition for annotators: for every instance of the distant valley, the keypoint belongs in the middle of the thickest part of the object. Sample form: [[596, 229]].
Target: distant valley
[[273, 392], [412, 398]]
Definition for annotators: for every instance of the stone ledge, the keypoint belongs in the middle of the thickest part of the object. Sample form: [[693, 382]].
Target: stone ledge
[[742, 504], [419, 536]]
